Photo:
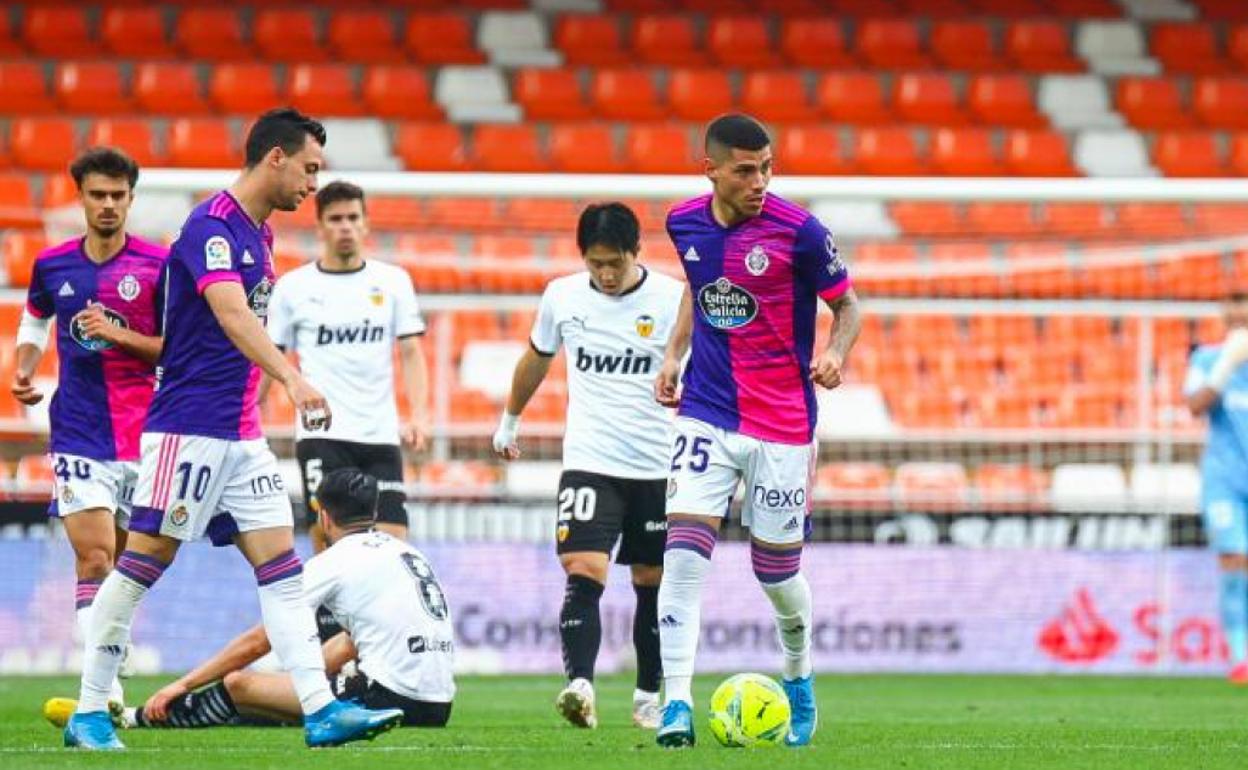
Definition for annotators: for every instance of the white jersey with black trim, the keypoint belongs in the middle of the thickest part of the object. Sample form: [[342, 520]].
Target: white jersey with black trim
[[615, 346], [385, 594], [344, 325]]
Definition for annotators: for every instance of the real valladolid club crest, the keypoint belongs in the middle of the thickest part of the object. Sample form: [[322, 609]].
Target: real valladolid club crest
[[757, 261], [128, 288], [645, 326]]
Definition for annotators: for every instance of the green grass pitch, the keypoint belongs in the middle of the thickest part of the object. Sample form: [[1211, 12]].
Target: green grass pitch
[[865, 722]]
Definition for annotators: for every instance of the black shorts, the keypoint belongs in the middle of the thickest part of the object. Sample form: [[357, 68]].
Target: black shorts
[[596, 510], [373, 695], [318, 456]]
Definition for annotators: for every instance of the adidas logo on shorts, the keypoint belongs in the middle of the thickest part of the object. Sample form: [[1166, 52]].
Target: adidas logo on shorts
[[791, 524]]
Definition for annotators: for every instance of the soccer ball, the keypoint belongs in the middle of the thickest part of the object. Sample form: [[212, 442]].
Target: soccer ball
[[749, 710]]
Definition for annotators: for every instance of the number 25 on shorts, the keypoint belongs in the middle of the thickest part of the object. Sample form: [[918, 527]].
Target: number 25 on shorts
[[696, 459]]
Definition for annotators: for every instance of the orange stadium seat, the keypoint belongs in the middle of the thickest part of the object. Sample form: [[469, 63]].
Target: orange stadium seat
[[1147, 219], [398, 91], [1189, 48], [778, 94], [21, 247], [477, 214], [927, 98], [638, 6], [741, 42], [811, 149], [202, 143], [860, 483], [891, 44], [1237, 45], [363, 37], [92, 88], [976, 283], [169, 89], [936, 486], [512, 248], [926, 217], [965, 152], [1075, 218], [1003, 100], [1188, 153], [1040, 45], [709, 7], [802, 8], [1000, 218], [818, 43], [133, 135], [59, 189], [58, 31], [659, 149], [1221, 218], [212, 34], [1009, 9], [540, 215], [584, 148], [508, 148], [1219, 102], [323, 90], [10, 46], [866, 8], [1038, 153], [243, 88], [936, 8], [626, 94], [23, 89], [1003, 486], [1224, 10], [17, 202], [590, 40], [966, 45], [550, 94], [34, 473], [699, 94], [431, 147], [852, 97], [1152, 103], [441, 38], [667, 39], [286, 34], [888, 152], [42, 144], [1238, 162], [135, 33]]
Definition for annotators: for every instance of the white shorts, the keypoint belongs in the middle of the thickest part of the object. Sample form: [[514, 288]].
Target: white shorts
[[190, 486], [707, 463], [81, 484]]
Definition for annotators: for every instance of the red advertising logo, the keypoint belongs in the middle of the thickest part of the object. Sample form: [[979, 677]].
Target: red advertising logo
[[1080, 634]]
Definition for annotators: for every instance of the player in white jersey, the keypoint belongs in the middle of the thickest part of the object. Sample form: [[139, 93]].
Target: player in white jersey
[[614, 321], [383, 592], [343, 315]]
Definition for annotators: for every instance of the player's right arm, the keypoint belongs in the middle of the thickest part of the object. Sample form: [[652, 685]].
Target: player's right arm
[[242, 651], [531, 369], [1204, 386], [666, 383], [32, 338]]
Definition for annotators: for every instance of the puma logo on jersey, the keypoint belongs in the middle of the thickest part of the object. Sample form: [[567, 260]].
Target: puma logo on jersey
[[346, 335], [609, 364]]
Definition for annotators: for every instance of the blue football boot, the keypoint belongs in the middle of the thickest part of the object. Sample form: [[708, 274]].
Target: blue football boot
[[93, 731], [804, 716], [342, 722], [676, 726]]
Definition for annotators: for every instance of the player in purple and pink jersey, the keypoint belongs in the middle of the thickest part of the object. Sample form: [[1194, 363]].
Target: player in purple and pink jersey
[[205, 468], [757, 267], [104, 290]]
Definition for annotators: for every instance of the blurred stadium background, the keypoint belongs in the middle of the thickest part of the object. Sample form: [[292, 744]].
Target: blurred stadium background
[[1008, 481]]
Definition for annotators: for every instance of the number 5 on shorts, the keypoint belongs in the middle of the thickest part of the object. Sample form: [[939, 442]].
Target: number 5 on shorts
[[699, 458]]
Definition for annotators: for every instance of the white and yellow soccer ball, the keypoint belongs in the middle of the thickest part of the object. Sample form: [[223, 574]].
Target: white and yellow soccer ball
[[749, 710]]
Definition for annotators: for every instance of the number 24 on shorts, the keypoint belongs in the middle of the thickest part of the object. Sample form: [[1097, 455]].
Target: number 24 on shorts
[[698, 459]]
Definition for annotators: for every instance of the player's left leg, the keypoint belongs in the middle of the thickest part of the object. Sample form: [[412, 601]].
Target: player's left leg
[[778, 477], [1226, 528]]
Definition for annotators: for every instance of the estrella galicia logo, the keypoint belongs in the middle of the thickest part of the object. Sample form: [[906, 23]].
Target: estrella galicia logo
[[726, 305], [258, 300], [91, 343]]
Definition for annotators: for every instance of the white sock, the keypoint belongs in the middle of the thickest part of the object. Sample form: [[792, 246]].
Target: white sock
[[82, 625], [680, 619], [291, 628], [791, 601], [108, 630]]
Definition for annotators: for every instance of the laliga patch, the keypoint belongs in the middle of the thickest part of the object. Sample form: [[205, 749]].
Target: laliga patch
[[217, 253], [644, 325], [836, 265], [128, 288], [725, 305], [757, 261]]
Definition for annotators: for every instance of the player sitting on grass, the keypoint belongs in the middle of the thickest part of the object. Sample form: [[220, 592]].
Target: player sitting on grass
[[403, 642]]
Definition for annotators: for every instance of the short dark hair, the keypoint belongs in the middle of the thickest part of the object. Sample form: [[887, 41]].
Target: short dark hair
[[107, 161], [283, 127], [335, 192], [613, 225], [738, 131], [349, 497]]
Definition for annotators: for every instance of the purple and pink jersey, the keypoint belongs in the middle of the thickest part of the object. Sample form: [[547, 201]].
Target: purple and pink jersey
[[755, 288], [205, 386], [102, 392]]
